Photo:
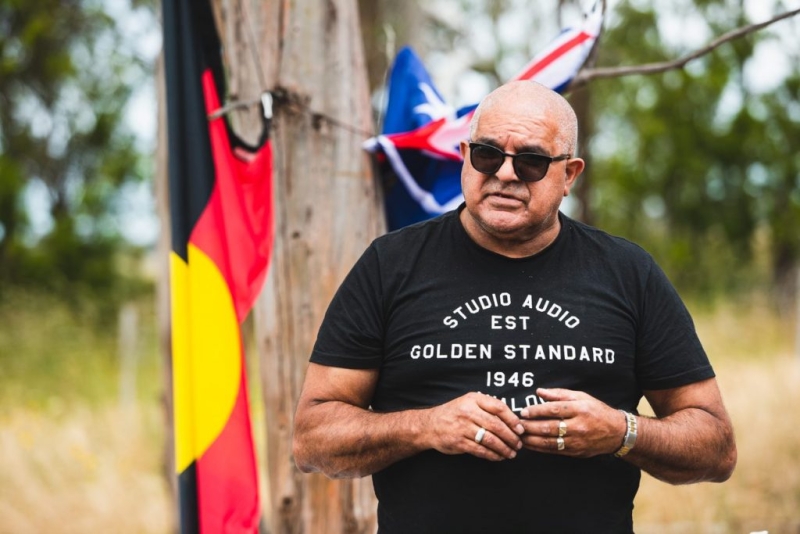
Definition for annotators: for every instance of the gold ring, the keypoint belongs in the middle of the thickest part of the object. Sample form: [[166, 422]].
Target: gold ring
[[562, 429], [560, 443]]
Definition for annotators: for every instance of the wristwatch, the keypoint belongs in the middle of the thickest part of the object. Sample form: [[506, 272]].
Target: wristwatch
[[630, 435]]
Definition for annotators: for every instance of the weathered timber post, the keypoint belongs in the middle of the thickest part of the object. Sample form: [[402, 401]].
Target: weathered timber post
[[326, 212], [164, 246]]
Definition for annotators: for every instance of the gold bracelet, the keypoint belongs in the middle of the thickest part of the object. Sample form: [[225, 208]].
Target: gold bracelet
[[630, 435]]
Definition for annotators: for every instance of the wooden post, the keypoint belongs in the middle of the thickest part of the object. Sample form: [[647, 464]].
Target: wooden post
[[797, 312], [127, 348], [164, 246], [326, 211]]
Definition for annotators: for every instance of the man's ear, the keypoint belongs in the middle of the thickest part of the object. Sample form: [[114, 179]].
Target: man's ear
[[464, 147], [574, 168]]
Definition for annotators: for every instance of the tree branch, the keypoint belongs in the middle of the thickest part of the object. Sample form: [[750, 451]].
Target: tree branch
[[587, 75]]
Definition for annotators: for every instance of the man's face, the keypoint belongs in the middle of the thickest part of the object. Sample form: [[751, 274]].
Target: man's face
[[501, 206]]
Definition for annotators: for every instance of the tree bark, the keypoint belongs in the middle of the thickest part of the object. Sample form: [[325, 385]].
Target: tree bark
[[581, 103], [387, 26], [326, 211], [164, 247]]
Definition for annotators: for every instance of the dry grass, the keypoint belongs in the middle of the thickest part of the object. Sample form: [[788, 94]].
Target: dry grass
[[72, 458], [69, 465], [759, 376], [91, 470]]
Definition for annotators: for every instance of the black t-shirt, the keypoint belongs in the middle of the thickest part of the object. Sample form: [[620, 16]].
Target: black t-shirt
[[441, 316]]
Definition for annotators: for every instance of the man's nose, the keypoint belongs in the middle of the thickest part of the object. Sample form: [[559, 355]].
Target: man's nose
[[506, 172]]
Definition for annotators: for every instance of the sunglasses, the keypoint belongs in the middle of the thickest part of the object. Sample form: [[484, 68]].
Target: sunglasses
[[529, 166]]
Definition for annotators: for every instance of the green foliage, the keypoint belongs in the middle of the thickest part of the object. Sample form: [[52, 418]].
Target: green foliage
[[66, 75], [52, 355], [691, 163], [699, 165]]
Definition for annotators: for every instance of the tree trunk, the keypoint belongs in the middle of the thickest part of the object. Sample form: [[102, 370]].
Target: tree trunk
[[581, 103], [784, 277], [386, 26], [326, 211], [164, 247]]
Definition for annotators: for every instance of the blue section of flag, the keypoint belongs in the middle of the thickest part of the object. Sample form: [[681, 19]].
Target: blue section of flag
[[413, 99], [413, 102], [442, 178]]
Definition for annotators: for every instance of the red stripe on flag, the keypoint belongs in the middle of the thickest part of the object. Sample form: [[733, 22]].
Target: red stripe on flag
[[540, 65], [235, 230], [227, 485]]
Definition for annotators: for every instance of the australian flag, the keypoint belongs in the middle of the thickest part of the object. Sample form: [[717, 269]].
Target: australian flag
[[417, 184], [418, 155]]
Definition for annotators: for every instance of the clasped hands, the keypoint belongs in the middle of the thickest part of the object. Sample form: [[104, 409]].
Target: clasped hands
[[570, 423]]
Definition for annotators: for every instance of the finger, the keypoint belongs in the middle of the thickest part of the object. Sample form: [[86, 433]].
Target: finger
[[487, 446], [499, 446], [504, 439], [550, 410], [545, 427], [481, 451], [499, 428], [499, 409], [558, 394], [547, 445], [493, 415], [556, 401]]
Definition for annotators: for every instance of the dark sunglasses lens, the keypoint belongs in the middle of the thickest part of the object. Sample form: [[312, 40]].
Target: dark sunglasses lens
[[486, 159], [531, 167]]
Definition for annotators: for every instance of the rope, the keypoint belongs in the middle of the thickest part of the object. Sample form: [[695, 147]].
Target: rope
[[253, 45], [292, 102]]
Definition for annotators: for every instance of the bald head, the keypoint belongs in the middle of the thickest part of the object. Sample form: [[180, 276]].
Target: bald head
[[527, 95]]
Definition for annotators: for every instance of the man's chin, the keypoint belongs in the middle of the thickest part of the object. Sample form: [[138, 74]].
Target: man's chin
[[502, 223]]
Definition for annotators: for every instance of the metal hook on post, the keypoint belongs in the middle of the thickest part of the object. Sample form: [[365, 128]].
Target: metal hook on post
[[266, 105]]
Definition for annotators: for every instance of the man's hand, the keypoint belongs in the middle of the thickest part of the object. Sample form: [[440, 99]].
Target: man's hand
[[587, 427], [453, 427], [689, 440], [336, 433]]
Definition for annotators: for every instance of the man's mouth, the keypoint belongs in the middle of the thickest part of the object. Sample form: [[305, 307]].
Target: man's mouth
[[504, 196]]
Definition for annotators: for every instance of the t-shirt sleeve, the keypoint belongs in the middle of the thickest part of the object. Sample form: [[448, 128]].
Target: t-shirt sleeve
[[669, 352], [351, 334]]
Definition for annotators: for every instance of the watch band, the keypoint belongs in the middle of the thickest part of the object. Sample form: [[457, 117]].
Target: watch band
[[630, 435]]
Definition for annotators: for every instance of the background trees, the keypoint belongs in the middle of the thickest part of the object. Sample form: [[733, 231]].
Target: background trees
[[66, 155], [702, 155], [699, 165], [696, 164]]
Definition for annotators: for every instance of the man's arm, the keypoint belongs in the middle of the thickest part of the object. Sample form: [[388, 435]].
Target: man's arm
[[337, 434], [690, 439]]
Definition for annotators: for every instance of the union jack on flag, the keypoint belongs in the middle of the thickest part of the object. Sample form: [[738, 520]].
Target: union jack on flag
[[418, 149]]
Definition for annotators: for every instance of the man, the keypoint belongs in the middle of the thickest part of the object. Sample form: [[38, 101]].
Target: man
[[485, 366]]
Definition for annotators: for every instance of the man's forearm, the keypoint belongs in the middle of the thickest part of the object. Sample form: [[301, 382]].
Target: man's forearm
[[692, 445], [345, 441]]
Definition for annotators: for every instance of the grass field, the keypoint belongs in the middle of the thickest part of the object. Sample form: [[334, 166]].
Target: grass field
[[764, 492], [753, 353], [76, 457]]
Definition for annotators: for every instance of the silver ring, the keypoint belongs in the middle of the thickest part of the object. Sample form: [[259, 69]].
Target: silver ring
[[562, 428], [560, 443], [479, 435]]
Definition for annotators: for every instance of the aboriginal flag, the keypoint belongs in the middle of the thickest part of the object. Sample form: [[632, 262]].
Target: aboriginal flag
[[220, 203]]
